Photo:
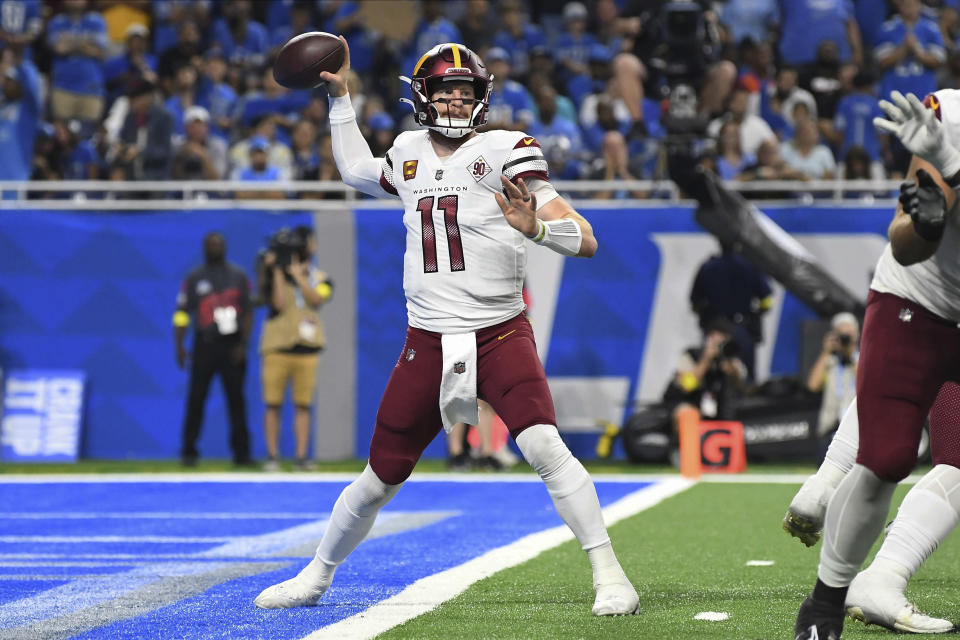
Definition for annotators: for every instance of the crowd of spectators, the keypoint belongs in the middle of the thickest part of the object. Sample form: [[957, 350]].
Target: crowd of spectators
[[183, 89]]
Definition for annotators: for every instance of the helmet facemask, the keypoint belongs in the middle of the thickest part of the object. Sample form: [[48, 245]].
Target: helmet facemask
[[435, 71]]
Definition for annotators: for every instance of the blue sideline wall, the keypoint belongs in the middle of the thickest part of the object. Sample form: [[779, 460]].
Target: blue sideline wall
[[95, 290]]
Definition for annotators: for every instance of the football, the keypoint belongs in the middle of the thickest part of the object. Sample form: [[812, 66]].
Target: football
[[304, 57]]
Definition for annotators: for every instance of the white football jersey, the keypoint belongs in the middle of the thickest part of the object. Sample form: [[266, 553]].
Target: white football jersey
[[935, 282], [464, 264]]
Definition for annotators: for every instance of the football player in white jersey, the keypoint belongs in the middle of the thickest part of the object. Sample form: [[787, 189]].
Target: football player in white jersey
[[878, 594], [472, 201], [910, 349]]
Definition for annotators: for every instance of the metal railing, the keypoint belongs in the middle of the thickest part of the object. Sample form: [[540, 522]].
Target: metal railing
[[221, 194]]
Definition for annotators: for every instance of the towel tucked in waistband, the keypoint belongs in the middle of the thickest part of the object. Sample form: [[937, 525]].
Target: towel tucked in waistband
[[458, 385]]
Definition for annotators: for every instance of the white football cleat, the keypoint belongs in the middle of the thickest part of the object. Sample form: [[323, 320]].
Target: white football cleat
[[870, 602], [804, 518], [295, 592], [616, 599]]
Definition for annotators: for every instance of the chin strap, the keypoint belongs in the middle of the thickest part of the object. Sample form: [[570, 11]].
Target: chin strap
[[451, 132], [448, 131]]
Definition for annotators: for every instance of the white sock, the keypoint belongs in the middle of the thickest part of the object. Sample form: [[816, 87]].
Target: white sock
[[351, 520], [842, 452], [854, 519], [926, 517], [606, 567], [572, 491]]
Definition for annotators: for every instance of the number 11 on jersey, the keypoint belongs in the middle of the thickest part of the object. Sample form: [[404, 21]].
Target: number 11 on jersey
[[447, 204]]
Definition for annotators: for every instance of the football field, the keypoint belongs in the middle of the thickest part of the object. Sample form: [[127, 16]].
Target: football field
[[472, 556]]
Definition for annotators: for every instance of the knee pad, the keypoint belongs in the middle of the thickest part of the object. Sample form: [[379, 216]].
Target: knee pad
[[944, 481], [546, 452]]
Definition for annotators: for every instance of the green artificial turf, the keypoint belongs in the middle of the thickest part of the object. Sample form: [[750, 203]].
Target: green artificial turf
[[686, 555]]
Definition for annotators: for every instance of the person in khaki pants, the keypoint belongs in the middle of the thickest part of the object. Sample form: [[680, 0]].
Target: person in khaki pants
[[292, 338]]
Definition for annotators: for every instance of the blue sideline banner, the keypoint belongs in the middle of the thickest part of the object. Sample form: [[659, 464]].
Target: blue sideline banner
[[95, 291], [42, 415]]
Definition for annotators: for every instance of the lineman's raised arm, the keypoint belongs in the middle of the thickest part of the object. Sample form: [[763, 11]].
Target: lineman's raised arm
[[358, 168], [915, 234]]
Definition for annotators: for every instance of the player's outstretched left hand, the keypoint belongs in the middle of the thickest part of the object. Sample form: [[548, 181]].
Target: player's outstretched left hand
[[519, 206], [920, 131]]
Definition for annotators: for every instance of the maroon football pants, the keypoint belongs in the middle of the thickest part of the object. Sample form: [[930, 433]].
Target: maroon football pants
[[907, 354], [509, 376]]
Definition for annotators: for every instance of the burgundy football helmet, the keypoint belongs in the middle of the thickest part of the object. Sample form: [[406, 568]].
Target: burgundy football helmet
[[447, 62]]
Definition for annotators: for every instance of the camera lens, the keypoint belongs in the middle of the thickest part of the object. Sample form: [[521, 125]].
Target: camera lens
[[844, 340]]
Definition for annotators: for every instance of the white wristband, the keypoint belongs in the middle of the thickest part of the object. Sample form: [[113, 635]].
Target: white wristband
[[563, 236], [947, 161], [341, 109]]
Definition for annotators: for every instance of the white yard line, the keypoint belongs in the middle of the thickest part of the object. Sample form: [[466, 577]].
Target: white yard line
[[116, 539], [428, 593]]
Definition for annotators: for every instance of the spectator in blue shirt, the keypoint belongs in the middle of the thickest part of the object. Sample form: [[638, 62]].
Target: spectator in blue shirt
[[595, 80], [349, 21], [79, 42], [573, 45], [731, 160], [19, 115], [135, 62], [245, 42], [303, 143], [433, 29], [805, 153], [78, 158], [279, 12], [187, 50], [807, 23], [215, 95], [278, 153], [853, 123], [910, 49], [184, 95], [560, 139], [754, 19], [477, 25], [20, 24], [511, 105], [382, 133], [169, 15], [259, 170], [870, 15], [564, 105], [606, 24], [273, 99], [606, 120], [517, 36], [297, 19]]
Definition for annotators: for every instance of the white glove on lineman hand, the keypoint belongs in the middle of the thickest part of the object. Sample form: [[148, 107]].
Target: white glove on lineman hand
[[920, 131]]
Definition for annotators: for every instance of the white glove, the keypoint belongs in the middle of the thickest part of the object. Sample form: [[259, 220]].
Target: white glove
[[920, 131]]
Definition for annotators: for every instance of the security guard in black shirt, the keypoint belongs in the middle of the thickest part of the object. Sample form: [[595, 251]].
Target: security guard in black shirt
[[216, 298]]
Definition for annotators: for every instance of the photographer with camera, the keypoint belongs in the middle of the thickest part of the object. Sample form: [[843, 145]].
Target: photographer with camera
[[710, 377], [293, 290], [835, 372]]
